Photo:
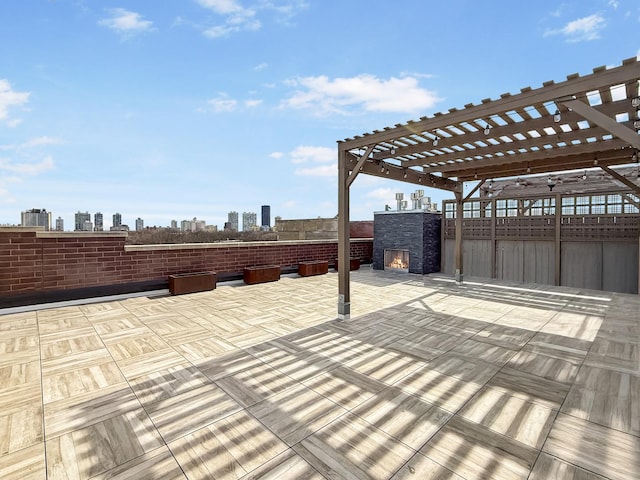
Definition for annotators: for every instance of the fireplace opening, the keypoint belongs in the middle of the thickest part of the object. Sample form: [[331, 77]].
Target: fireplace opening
[[396, 260]]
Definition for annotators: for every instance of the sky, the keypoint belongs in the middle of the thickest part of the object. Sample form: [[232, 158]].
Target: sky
[[194, 108]]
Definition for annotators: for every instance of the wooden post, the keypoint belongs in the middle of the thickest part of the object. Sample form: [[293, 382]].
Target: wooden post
[[458, 244], [558, 245], [344, 254], [494, 243]]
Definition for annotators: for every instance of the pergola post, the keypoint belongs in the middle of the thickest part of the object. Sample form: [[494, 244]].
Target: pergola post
[[458, 245], [344, 253]]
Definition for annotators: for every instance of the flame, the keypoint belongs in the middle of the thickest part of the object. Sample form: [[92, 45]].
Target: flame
[[398, 263]]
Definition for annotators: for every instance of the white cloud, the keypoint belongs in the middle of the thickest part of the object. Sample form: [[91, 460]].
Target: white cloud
[[222, 7], [276, 155], [614, 4], [34, 142], [383, 194], [582, 29], [26, 168], [321, 171], [10, 98], [260, 66], [305, 153], [125, 22], [366, 92], [223, 104], [252, 103], [238, 18]]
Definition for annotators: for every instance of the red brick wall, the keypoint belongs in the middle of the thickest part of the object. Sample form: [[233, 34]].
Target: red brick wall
[[44, 261]]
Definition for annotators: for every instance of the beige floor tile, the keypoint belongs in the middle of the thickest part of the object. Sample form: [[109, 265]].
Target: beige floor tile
[[189, 411], [595, 448], [136, 346], [476, 350], [437, 388], [100, 447], [255, 384], [150, 362], [226, 449], [19, 374], [156, 464], [504, 336], [25, 464], [546, 366], [463, 367], [384, 365], [345, 387], [57, 345], [83, 380], [162, 384], [547, 467], [228, 364], [20, 428], [476, 453], [82, 410], [510, 415], [64, 324], [423, 468], [286, 466], [296, 413], [351, 448], [529, 387], [404, 417], [205, 348], [76, 361]]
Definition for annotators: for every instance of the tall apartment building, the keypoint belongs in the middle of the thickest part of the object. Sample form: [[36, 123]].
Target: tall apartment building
[[36, 217], [194, 225], [249, 220], [59, 224], [117, 220], [174, 224], [266, 217], [83, 222], [139, 224], [232, 221], [98, 225]]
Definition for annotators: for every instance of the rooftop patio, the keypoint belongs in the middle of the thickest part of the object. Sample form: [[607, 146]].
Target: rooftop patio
[[429, 379]]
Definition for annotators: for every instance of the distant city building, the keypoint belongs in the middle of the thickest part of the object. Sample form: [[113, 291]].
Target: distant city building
[[36, 217], [266, 217], [232, 220], [83, 222], [117, 220], [97, 222], [139, 224], [194, 225], [249, 220], [59, 224], [174, 224]]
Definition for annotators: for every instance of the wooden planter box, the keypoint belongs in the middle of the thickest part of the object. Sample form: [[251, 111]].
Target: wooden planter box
[[180, 283], [316, 267], [261, 274], [354, 264]]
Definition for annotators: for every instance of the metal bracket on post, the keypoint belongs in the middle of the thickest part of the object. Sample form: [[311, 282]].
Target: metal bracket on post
[[344, 308], [459, 277]]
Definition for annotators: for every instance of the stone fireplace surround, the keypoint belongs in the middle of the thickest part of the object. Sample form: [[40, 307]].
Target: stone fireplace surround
[[413, 230]]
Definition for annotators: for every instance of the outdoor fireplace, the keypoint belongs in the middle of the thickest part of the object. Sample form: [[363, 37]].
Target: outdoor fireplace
[[406, 241], [396, 260]]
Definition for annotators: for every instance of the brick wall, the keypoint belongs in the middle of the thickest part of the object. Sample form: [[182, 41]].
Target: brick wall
[[37, 261]]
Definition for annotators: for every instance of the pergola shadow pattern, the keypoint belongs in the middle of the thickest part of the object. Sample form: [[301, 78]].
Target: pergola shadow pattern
[[428, 380]]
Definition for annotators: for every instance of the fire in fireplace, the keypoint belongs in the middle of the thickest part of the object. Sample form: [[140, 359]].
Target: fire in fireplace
[[396, 260]]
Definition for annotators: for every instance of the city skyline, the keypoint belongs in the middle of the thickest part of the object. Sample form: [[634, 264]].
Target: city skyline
[[174, 110]]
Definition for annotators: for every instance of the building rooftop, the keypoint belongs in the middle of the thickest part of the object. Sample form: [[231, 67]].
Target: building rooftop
[[429, 379]]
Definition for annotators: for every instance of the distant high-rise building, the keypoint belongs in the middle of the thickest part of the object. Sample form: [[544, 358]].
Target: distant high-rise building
[[232, 218], [117, 220], [36, 217], [59, 224], [139, 224], [97, 222], [83, 221], [174, 224], [249, 220], [266, 217], [194, 225]]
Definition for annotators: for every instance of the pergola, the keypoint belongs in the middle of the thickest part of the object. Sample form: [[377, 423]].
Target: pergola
[[582, 122]]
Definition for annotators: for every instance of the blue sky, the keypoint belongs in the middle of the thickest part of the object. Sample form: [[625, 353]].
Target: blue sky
[[193, 108]]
